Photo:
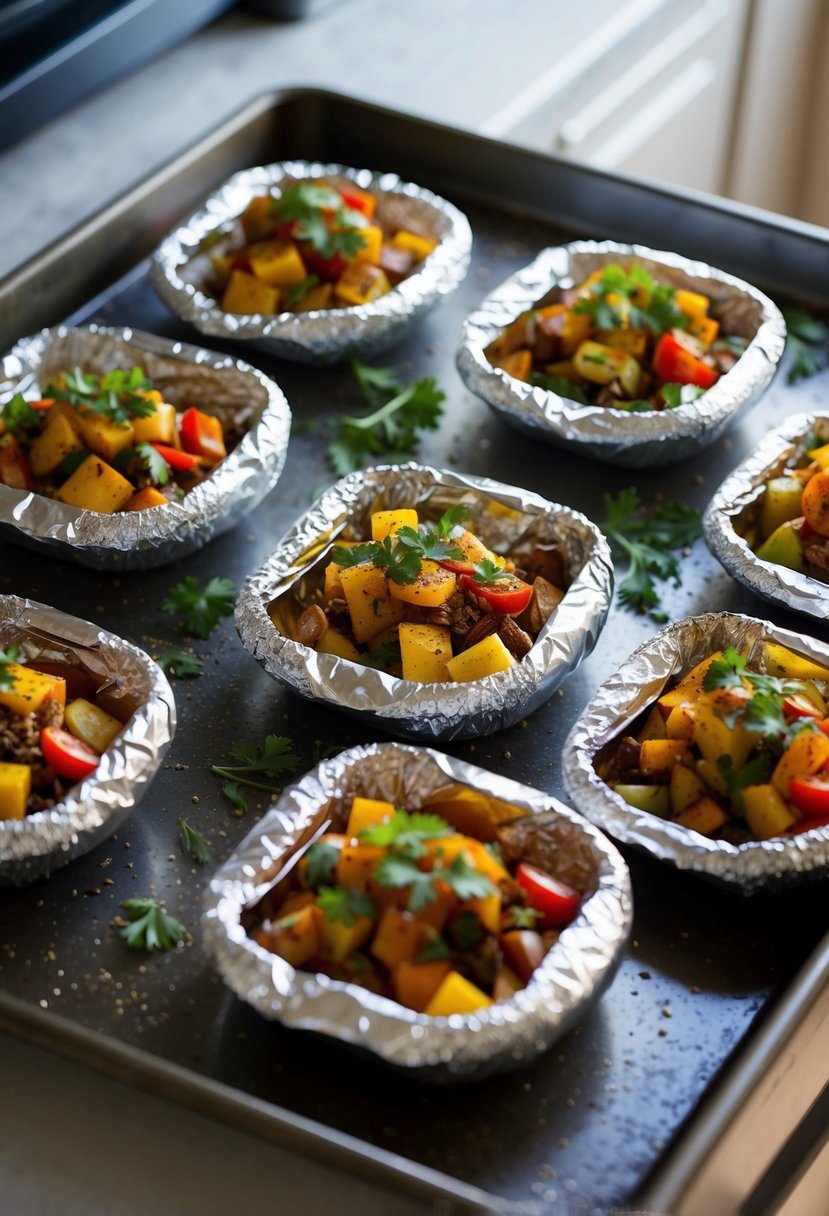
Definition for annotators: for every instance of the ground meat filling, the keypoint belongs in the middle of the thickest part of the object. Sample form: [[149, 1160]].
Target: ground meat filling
[[20, 744], [817, 560]]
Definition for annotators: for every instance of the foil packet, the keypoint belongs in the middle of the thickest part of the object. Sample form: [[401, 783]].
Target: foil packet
[[529, 825], [729, 519], [244, 398], [181, 267], [767, 865], [616, 436], [136, 688], [509, 520]]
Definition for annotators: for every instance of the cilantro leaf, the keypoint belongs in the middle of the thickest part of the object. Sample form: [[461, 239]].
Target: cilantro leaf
[[399, 870], [177, 663], [152, 461], [273, 758], [321, 217], [426, 543], [298, 291], [200, 608], [559, 385], [450, 519], [404, 825], [19, 416], [755, 772], [192, 842], [675, 395], [806, 339], [726, 672], [392, 429], [465, 880], [376, 382], [647, 541], [320, 861], [118, 395], [11, 655], [345, 904], [647, 304], [524, 918], [72, 461], [231, 790], [434, 950], [150, 927], [487, 572], [466, 931]]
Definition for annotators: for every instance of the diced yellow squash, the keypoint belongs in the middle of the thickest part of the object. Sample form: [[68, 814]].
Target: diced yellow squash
[[805, 755], [518, 364], [436, 913], [487, 909], [360, 283], [386, 523], [658, 756], [711, 777], [456, 995], [370, 605], [366, 811], [715, 738], [704, 816], [473, 548], [692, 303], [414, 984], [631, 341], [333, 588], [58, 439], [445, 849], [653, 726], [249, 296], [257, 217], [356, 864], [30, 689], [680, 722], [316, 298], [432, 587], [339, 939], [277, 263], [15, 787], [485, 658], [91, 724], [705, 330], [296, 937], [601, 364], [767, 814], [103, 436], [781, 661], [425, 651], [96, 486], [369, 251], [420, 246], [142, 500], [400, 937], [690, 686], [685, 787], [651, 798], [158, 427], [336, 643], [780, 504]]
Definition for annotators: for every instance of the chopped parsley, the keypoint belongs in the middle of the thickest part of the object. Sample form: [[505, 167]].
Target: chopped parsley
[[117, 395], [7, 657], [647, 541], [200, 608], [193, 843], [20, 417], [150, 926]]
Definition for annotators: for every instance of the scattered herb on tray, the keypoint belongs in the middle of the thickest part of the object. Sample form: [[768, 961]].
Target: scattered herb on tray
[[273, 758], [200, 608], [806, 340], [391, 429], [177, 663], [193, 843], [150, 926], [647, 538]]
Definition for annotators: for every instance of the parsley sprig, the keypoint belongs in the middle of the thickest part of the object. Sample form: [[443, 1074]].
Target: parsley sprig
[[647, 541], [487, 572], [806, 340], [346, 904], [117, 394], [320, 861], [178, 663], [7, 657], [151, 461], [273, 758], [151, 927], [192, 842], [200, 608], [20, 417], [402, 555], [321, 217], [406, 832], [659, 314], [764, 712], [391, 429]]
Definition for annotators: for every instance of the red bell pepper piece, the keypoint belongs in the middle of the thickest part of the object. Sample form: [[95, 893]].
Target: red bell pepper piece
[[673, 363], [329, 269], [182, 462], [202, 435], [359, 200]]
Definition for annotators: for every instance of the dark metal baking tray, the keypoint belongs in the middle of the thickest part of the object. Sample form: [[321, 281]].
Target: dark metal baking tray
[[626, 1106]]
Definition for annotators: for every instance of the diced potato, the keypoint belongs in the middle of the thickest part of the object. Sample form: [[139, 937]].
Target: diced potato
[[456, 995], [339, 939], [689, 687], [277, 263], [420, 246], [249, 296], [356, 864], [568, 329], [685, 787], [336, 643], [781, 503], [651, 798], [658, 756], [386, 523], [370, 605], [360, 283], [103, 436], [14, 467], [58, 439], [369, 251], [15, 787], [485, 658], [704, 816], [602, 364], [296, 938], [316, 298], [257, 217], [766, 812], [96, 486], [706, 329], [715, 738], [159, 427], [414, 984], [783, 548], [91, 724], [432, 587], [692, 303], [30, 689], [805, 755], [142, 500], [400, 937], [680, 722], [425, 650], [518, 364], [631, 341], [366, 811]]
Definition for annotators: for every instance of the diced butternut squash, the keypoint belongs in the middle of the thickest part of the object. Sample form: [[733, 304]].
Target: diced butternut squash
[[369, 251], [15, 787], [370, 604], [653, 726], [336, 643], [339, 939], [767, 814], [414, 984], [297, 900], [692, 303], [517, 364], [103, 436], [658, 756], [456, 995], [277, 263], [142, 500], [400, 937], [367, 811], [425, 650], [805, 755], [487, 909], [30, 689], [256, 217], [317, 298], [96, 486], [296, 938], [680, 722], [689, 687], [432, 587], [714, 737], [386, 523], [685, 787], [249, 296], [356, 864], [58, 439], [158, 427], [420, 246], [704, 816], [485, 658], [92, 724]]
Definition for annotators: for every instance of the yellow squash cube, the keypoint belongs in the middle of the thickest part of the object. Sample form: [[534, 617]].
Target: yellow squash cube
[[704, 816], [425, 651], [420, 246], [30, 689], [690, 686], [158, 427], [685, 787], [658, 756], [15, 787], [370, 605], [767, 814], [91, 724], [103, 436], [386, 523], [336, 643], [485, 658], [366, 811], [432, 587], [58, 439], [249, 296], [339, 939], [142, 500], [360, 283], [278, 263], [456, 995], [96, 486]]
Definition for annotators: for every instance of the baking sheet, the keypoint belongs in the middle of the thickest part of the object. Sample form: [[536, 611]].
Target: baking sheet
[[590, 1121]]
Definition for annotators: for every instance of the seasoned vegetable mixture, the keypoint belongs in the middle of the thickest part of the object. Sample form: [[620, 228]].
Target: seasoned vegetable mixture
[[431, 603], [312, 246], [619, 339], [793, 521], [47, 743], [106, 443], [733, 753], [404, 905]]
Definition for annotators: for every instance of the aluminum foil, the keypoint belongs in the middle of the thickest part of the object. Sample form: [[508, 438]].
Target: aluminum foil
[[731, 508], [93, 809], [762, 864], [509, 1034], [618, 436], [186, 375], [509, 520], [323, 336]]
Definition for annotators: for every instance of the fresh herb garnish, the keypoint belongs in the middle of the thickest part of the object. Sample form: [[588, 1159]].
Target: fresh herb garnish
[[192, 842], [559, 385], [467, 931], [346, 904], [806, 339], [72, 461], [400, 564], [427, 544], [150, 927], [200, 608], [7, 657], [386, 656], [400, 869], [764, 712], [298, 291], [406, 831], [319, 863], [637, 300], [231, 790], [726, 672], [487, 572], [524, 918], [145, 455], [322, 218], [19, 416], [391, 429], [647, 542], [675, 395], [273, 758], [118, 395], [433, 951], [177, 663]]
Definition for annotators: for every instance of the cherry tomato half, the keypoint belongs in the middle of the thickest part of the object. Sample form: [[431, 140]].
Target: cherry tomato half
[[810, 794], [798, 705], [673, 363], [68, 756], [509, 595], [557, 902], [185, 462]]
